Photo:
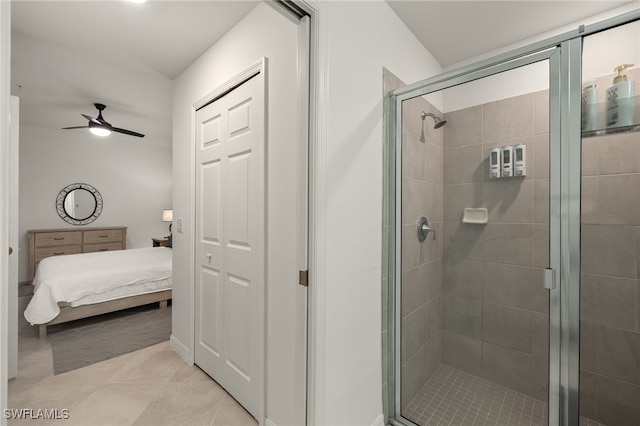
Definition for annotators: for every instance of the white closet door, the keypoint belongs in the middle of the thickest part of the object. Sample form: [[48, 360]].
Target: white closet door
[[230, 228]]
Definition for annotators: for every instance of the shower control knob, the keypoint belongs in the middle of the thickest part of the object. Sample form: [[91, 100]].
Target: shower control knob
[[424, 229]]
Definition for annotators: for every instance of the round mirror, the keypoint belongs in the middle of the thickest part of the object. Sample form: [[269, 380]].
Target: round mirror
[[79, 204]]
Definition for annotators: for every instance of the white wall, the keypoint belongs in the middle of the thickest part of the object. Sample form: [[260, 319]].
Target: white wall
[[363, 37], [133, 175], [5, 55], [14, 214], [133, 178], [264, 32], [602, 52], [350, 391]]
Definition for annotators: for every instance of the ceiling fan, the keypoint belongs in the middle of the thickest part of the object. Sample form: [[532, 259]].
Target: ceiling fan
[[99, 126]]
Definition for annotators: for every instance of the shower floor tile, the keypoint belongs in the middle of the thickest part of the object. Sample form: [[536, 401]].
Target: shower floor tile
[[454, 398]]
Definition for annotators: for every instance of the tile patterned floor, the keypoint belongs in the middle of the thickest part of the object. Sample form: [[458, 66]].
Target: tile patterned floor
[[454, 398], [152, 386]]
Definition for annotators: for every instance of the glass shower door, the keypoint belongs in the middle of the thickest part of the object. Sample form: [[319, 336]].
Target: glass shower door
[[610, 230], [472, 313], [516, 299]]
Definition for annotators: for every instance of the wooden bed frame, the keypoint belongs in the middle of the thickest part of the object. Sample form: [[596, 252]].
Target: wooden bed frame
[[69, 313]]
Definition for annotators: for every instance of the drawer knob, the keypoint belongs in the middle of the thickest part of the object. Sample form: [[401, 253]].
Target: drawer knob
[[104, 249], [58, 238], [58, 253], [103, 236]]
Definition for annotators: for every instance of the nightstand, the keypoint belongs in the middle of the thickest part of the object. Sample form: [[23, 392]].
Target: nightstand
[[160, 242]]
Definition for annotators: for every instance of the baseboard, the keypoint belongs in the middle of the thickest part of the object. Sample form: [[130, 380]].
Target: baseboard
[[182, 350], [268, 422], [379, 421]]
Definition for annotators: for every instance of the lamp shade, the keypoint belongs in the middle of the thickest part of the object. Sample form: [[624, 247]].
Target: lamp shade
[[167, 215]]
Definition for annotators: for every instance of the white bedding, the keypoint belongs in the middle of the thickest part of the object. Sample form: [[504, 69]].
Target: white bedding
[[81, 279]]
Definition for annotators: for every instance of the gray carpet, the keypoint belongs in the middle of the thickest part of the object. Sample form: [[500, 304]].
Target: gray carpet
[[83, 342]]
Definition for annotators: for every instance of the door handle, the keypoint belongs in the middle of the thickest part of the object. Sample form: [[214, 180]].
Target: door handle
[[10, 250], [549, 279]]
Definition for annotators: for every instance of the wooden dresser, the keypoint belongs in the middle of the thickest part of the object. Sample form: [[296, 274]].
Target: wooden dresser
[[54, 242]]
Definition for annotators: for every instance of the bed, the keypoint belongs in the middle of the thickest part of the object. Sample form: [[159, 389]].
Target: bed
[[78, 286]]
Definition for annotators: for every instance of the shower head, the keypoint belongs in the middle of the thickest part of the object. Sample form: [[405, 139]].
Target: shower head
[[439, 121]]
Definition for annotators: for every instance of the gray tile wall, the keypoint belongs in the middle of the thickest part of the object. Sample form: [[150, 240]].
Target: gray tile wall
[[610, 286], [494, 309], [422, 269], [421, 262]]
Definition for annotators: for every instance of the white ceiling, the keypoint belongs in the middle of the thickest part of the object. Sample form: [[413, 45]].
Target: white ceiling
[[94, 42], [166, 36], [456, 31], [160, 39]]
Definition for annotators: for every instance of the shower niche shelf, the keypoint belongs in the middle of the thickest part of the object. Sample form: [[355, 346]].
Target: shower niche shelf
[[475, 215], [602, 129]]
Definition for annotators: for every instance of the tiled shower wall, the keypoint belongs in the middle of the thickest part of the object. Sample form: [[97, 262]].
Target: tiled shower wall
[[610, 301], [610, 286], [421, 261], [494, 307]]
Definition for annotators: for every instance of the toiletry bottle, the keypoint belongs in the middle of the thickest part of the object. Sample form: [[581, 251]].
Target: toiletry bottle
[[589, 106], [620, 99]]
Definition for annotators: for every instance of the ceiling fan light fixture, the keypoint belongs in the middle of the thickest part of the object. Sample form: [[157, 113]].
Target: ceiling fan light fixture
[[100, 127], [99, 131]]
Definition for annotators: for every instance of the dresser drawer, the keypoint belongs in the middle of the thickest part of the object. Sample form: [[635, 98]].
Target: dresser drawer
[[92, 248], [42, 252], [46, 239], [103, 236]]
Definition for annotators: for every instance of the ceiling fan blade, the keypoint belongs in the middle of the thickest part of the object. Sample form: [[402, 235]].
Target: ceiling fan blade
[[91, 118], [127, 132], [75, 127]]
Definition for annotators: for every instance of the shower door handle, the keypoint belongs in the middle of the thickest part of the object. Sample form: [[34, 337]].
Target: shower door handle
[[550, 279]]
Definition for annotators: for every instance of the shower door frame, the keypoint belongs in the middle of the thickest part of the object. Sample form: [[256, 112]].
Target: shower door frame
[[564, 53], [553, 56]]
